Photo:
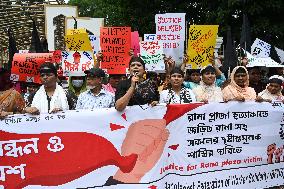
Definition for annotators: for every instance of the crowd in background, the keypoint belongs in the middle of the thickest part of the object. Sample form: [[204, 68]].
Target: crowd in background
[[177, 85]]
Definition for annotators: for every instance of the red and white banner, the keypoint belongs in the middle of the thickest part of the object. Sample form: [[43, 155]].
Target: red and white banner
[[218, 145]]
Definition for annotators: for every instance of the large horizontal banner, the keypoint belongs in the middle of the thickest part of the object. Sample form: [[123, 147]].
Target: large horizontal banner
[[218, 145]]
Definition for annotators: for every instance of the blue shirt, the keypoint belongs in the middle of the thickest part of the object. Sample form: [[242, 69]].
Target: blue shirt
[[219, 81], [87, 100]]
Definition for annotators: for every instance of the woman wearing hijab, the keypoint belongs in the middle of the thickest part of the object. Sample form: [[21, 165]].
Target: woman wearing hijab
[[238, 89], [207, 91], [177, 93], [11, 101], [273, 90], [77, 85]]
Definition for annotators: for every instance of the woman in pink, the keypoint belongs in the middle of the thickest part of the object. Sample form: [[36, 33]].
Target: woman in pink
[[238, 89]]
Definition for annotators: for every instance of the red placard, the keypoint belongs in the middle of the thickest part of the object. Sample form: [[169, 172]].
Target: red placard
[[135, 42], [25, 67], [115, 45]]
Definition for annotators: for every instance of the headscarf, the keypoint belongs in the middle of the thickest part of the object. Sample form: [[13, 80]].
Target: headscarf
[[71, 87], [233, 89]]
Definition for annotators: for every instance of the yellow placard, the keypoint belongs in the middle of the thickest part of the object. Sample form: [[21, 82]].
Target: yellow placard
[[78, 42], [201, 44], [76, 31]]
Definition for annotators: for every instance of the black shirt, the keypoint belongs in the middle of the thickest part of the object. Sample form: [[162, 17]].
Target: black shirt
[[145, 92]]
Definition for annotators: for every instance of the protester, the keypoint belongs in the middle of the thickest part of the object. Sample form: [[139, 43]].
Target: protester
[[276, 71], [77, 85], [244, 61], [177, 93], [207, 91], [273, 90], [113, 81], [238, 89], [31, 89], [195, 75], [11, 101], [50, 98], [255, 79], [194, 78], [135, 90], [95, 96]]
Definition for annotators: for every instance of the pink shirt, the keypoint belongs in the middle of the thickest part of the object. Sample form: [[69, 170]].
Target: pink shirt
[[109, 88]]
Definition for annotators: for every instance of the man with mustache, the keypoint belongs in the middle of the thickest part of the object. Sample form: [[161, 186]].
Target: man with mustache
[[95, 96]]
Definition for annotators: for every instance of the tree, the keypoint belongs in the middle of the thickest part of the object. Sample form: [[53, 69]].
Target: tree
[[264, 15]]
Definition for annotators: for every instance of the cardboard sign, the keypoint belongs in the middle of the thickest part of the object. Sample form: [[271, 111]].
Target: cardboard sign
[[23, 51], [95, 42], [170, 29], [201, 43], [115, 45], [260, 48], [152, 54], [150, 37], [74, 63], [75, 31], [78, 42], [135, 42], [25, 67], [57, 57], [280, 54], [262, 62]]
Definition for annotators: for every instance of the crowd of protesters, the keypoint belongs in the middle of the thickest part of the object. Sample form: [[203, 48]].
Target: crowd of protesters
[[177, 85]]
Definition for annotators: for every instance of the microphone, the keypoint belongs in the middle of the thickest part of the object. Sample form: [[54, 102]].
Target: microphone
[[135, 73]]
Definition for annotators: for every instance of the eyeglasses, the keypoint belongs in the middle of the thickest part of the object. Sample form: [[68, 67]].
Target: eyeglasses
[[47, 74]]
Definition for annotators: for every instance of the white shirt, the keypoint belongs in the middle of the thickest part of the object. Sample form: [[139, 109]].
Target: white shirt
[[170, 97], [87, 100]]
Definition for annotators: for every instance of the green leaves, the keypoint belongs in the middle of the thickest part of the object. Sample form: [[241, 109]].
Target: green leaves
[[265, 16]]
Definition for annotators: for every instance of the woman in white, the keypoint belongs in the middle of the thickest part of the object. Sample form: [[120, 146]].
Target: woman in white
[[207, 91], [177, 93], [273, 90]]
